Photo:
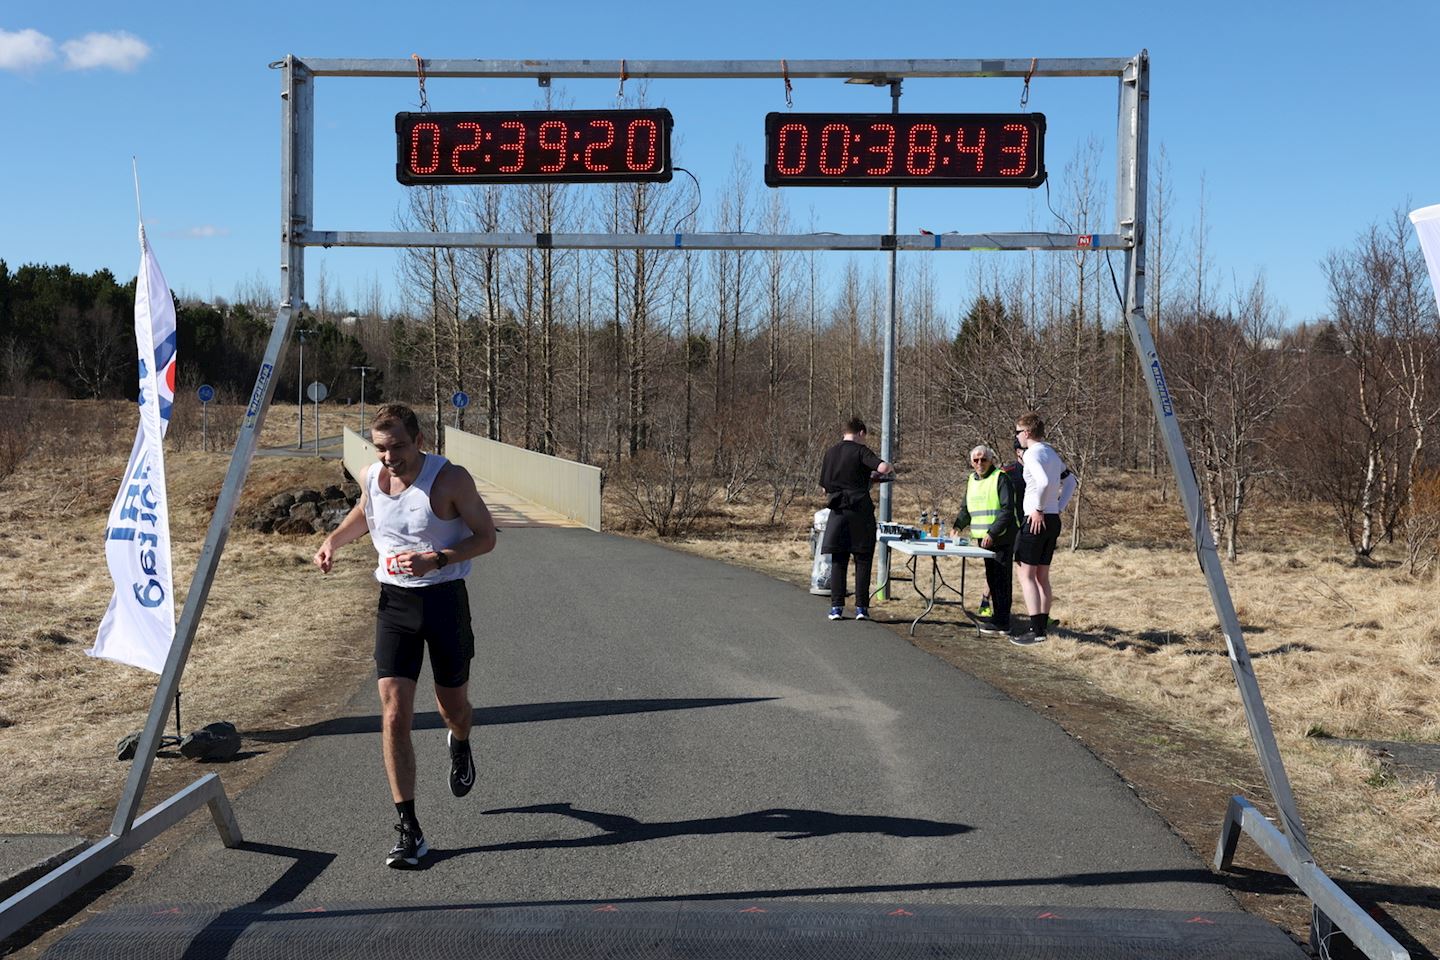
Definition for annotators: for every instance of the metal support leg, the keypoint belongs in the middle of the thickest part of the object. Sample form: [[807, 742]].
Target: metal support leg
[[75, 873], [1230, 832], [1333, 907]]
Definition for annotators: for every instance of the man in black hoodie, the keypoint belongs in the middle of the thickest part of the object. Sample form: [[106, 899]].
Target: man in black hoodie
[[846, 473]]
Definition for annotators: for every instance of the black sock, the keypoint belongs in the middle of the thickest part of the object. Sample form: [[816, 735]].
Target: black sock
[[1038, 623], [406, 809]]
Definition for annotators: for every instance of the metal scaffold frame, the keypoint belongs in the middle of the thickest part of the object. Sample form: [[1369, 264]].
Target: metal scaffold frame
[[1288, 846]]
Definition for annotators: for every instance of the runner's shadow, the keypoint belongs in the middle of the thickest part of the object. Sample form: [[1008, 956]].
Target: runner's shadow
[[785, 823]]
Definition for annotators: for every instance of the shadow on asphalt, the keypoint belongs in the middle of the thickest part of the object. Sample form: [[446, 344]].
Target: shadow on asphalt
[[1117, 878], [496, 716], [309, 864], [222, 933], [786, 824]]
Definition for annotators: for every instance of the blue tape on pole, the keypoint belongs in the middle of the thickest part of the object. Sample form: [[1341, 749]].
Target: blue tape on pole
[[677, 240]]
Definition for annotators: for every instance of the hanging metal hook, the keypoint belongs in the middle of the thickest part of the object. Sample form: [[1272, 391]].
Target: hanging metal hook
[[624, 75], [420, 74], [785, 72], [1025, 92]]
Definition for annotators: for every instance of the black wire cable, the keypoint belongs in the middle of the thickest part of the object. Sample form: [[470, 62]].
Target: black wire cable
[[1114, 281], [695, 209]]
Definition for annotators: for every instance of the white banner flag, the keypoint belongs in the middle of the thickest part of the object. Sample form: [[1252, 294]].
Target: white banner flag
[[139, 625], [1427, 225]]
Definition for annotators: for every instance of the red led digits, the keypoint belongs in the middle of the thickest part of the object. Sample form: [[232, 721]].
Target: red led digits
[[904, 150], [433, 164], [842, 166], [795, 137], [605, 143], [930, 132], [456, 163], [561, 146], [1021, 149], [975, 150], [649, 131], [534, 146], [518, 146], [886, 149]]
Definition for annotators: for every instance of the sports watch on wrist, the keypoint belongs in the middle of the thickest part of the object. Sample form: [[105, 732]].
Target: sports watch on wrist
[[440, 560]]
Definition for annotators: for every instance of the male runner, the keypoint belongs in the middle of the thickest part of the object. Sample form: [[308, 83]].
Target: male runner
[[427, 521]]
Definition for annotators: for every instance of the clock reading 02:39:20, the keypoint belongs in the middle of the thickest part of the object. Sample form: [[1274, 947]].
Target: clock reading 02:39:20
[[905, 149], [534, 146]]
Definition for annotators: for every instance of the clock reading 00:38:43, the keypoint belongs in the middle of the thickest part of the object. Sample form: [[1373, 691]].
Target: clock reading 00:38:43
[[905, 149], [534, 146]]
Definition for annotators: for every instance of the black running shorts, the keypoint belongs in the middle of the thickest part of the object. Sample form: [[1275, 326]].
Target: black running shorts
[[409, 619], [1037, 549]]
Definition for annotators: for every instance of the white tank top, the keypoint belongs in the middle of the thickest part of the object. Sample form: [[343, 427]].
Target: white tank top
[[407, 522]]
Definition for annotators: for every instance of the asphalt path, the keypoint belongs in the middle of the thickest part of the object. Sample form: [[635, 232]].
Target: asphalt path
[[655, 725]]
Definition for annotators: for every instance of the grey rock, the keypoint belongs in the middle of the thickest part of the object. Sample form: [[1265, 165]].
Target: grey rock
[[294, 527], [214, 741], [127, 746]]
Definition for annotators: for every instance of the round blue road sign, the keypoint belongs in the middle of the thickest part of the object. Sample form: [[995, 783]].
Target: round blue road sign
[[461, 399], [206, 393]]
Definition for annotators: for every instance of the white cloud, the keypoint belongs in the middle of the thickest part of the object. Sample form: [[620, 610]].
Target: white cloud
[[112, 51], [25, 50], [207, 230]]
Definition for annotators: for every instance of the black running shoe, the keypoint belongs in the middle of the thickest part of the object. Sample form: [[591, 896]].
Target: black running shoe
[[462, 765], [408, 850], [989, 628], [1028, 639]]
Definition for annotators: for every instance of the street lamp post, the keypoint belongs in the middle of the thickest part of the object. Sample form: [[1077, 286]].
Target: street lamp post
[[300, 388], [363, 371]]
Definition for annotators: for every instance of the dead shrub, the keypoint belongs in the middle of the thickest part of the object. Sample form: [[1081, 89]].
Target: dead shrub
[[15, 444], [659, 491], [1420, 528]]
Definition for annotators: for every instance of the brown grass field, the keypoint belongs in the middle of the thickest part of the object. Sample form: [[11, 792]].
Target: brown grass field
[[1136, 668]]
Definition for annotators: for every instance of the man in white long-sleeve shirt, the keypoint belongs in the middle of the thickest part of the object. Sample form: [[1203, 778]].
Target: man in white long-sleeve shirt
[[1048, 487]]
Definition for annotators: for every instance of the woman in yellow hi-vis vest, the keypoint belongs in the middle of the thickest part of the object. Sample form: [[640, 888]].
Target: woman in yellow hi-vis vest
[[990, 511]]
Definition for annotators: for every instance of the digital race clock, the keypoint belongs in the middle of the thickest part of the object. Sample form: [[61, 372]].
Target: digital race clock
[[536, 146], [905, 149]]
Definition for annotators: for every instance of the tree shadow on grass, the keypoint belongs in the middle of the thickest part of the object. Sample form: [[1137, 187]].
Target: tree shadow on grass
[[1154, 641]]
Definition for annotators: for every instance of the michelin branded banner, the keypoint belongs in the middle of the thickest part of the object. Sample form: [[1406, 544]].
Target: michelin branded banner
[[1427, 225], [139, 625]]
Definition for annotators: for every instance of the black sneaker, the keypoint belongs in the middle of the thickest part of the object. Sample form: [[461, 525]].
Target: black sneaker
[[1028, 639], [462, 765], [408, 850], [989, 628]]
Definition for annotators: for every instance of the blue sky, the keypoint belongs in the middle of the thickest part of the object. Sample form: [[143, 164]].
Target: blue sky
[[1306, 122]]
